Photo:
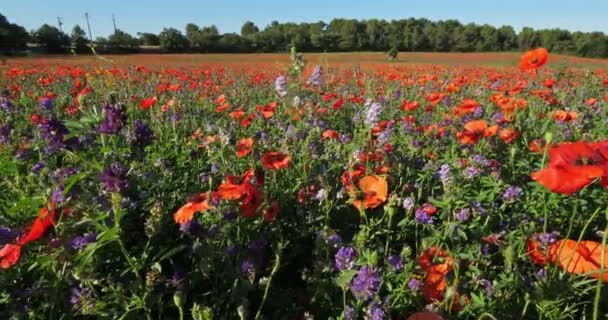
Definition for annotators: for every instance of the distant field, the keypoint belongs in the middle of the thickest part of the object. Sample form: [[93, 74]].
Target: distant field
[[364, 59]]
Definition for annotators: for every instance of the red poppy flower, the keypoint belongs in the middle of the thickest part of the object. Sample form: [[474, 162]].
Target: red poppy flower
[[474, 130], [572, 166], [330, 134], [425, 315], [275, 160], [10, 253], [244, 147], [272, 211], [147, 103], [373, 192], [534, 59], [466, 106]]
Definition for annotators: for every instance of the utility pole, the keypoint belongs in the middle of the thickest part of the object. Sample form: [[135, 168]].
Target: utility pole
[[60, 24], [86, 15], [114, 23]]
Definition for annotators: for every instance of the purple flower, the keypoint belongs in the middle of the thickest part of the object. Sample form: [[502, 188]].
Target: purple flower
[[547, 239], [471, 172], [58, 195], [480, 160], [497, 117], [349, 313], [114, 178], [141, 135], [414, 284], [280, 85], [372, 115], [345, 258], [7, 235], [541, 274], [396, 262], [444, 174], [79, 242], [463, 214], [478, 113], [37, 167], [115, 119], [176, 116], [479, 210], [488, 287], [82, 300], [408, 203], [46, 103], [376, 312], [320, 196], [192, 228], [366, 283], [5, 133], [422, 217], [512, 193], [334, 240], [247, 267], [54, 132], [315, 78], [397, 94]]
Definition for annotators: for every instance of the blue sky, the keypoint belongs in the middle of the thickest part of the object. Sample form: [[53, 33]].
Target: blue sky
[[228, 15]]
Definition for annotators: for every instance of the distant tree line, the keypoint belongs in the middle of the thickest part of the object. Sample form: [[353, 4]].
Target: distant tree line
[[339, 35]]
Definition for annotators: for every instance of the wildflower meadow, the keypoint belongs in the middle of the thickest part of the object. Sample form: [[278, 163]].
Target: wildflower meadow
[[304, 191]]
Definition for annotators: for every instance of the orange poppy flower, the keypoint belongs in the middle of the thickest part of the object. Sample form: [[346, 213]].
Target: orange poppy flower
[[244, 147], [436, 264], [374, 190], [508, 135], [474, 130], [538, 146], [534, 59], [275, 160], [583, 258], [187, 211], [565, 116]]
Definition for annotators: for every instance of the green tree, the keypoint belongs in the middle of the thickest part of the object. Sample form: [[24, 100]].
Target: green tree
[[12, 37], [78, 39], [248, 29], [148, 39], [173, 40], [507, 38], [528, 39], [122, 41], [51, 38]]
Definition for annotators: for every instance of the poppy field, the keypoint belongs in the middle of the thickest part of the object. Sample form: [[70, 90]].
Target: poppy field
[[301, 191]]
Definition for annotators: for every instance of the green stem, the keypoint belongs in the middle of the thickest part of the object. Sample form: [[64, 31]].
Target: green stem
[[598, 288], [275, 268]]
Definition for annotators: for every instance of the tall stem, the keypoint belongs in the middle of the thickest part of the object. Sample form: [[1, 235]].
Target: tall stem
[[275, 268]]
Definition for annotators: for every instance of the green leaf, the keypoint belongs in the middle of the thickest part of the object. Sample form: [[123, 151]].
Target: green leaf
[[345, 277]]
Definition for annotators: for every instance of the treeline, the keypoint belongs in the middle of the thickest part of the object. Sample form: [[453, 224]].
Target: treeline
[[339, 35]]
